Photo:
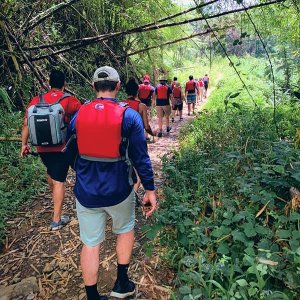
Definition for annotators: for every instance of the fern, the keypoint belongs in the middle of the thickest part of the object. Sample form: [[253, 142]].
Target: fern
[[5, 99]]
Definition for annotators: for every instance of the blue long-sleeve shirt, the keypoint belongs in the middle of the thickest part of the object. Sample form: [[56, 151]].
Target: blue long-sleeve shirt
[[102, 184]]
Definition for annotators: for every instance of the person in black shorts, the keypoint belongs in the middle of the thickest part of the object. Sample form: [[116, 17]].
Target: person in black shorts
[[178, 98], [56, 162]]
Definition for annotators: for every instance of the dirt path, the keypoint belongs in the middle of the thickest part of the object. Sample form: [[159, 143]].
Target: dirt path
[[52, 258]]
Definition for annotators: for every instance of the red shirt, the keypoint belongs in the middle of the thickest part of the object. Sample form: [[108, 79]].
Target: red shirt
[[70, 106]]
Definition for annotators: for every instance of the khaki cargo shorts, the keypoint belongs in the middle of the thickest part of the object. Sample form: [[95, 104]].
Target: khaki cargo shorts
[[163, 110]]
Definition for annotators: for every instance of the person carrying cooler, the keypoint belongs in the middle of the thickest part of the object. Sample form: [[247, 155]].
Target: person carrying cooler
[[205, 82], [178, 101], [163, 95], [111, 141], [191, 91], [37, 124]]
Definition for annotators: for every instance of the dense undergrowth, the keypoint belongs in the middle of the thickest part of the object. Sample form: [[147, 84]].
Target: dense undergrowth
[[20, 179], [228, 226]]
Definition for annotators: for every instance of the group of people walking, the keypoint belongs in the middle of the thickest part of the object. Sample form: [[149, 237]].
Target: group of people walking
[[111, 154], [169, 100]]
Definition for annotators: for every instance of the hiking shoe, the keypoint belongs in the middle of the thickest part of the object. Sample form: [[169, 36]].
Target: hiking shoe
[[169, 128], [180, 119], [64, 220], [101, 297], [172, 120], [159, 134], [188, 114], [123, 290]]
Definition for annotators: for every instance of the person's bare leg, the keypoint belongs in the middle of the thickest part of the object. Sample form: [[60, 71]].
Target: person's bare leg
[[89, 260], [180, 114], [124, 247], [58, 193], [189, 108], [167, 120], [50, 182], [160, 123]]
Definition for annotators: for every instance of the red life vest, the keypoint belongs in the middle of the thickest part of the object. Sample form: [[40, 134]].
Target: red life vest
[[145, 91], [177, 92], [134, 104], [162, 92], [201, 84], [173, 84], [98, 129], [190, 86]]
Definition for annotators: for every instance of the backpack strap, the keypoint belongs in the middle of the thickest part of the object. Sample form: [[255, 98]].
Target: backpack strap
[[65, 95], [41, 103]]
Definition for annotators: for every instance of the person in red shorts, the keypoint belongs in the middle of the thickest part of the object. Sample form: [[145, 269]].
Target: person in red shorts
[[56, 161]]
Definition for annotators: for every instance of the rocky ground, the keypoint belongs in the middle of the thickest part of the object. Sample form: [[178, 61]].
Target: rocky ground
[[40, 264]]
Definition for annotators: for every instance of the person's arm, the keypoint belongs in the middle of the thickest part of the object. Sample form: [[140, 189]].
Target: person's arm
[[171, 95], [154, 95], [25, 134], [153, 99], [144, 115], [138, 153]]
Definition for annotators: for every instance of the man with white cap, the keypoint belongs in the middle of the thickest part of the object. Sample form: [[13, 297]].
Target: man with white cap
[[111, 142]]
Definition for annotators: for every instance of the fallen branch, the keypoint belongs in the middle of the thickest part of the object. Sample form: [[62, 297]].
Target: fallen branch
[[169, 43], [78, 43]]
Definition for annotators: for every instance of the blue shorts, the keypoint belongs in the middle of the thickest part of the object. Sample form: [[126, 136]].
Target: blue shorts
[[191, 98], [92, 221]]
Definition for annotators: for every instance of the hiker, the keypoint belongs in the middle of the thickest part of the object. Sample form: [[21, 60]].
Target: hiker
[[206, 82], [146, 95], [131, 89], [191, 91], [111, 141], [177, 104], [55, 161], [163, 94], [200, 89], [134, 102], [174, 82]]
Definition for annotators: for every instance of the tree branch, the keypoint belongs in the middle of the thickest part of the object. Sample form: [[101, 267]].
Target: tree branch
[[46, 14], [170, 42], [133, 30], [90, 40]]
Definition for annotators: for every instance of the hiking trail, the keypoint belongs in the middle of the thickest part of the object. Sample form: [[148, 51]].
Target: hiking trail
[[52, 259]]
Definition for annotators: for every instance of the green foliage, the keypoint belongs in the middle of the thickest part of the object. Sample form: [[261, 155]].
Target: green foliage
[[20, 179], [225, 222]]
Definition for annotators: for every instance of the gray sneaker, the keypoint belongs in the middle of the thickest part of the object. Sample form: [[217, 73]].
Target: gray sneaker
[[64, 220]]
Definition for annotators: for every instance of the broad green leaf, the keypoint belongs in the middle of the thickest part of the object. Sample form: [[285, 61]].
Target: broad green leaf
[[223, 248], [242, 282], [185, 290], [283, 234]]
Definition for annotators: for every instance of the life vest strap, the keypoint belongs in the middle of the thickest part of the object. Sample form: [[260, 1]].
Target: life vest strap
[[102, 159]]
